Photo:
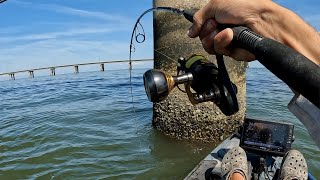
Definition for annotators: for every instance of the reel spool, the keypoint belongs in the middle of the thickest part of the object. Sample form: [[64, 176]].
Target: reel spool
[[197, 73]]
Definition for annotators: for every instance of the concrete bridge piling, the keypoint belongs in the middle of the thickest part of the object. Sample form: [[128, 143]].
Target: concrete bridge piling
[[176, 116], [76, 69], [31, 74], [101, 67], [52, 71], [12, 77]]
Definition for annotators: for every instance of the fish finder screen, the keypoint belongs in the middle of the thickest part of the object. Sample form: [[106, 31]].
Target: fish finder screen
[[266, 136]]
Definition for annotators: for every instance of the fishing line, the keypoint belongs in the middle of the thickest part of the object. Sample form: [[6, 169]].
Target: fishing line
[[138, 34], [170, 46], [164, 55], [179, 44], [173, 60]]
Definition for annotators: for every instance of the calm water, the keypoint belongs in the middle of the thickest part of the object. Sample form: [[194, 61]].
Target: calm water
[[82, 126]]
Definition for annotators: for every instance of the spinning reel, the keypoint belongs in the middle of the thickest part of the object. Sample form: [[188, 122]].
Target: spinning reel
[[208, 82], [212, 83]]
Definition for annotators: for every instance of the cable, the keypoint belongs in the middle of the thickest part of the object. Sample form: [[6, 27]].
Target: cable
[[2, 1]]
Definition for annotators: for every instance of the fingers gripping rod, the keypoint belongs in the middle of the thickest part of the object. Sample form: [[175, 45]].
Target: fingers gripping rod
[[291, 67]]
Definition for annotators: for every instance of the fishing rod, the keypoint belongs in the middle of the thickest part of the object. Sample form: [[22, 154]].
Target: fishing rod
[[297, 71], [220, 89], [137, 33]]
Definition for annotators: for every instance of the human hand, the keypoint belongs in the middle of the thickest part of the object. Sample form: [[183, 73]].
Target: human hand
[[235, 12]]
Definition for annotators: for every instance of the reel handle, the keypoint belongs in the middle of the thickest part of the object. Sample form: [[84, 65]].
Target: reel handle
[[228, 100], [229, 103]]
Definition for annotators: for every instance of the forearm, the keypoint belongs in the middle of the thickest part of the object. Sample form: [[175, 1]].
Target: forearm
[[288, 28]]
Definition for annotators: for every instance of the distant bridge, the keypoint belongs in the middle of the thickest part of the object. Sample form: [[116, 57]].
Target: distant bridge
[[76, 67]]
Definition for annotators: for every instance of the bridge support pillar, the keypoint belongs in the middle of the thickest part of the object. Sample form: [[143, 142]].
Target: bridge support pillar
[[31, 74], [101, 67], [76, 69], [52, 71], [176, 116], [12, 77]]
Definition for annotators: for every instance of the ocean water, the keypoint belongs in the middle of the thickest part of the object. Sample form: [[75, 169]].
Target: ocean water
[[83, 127]]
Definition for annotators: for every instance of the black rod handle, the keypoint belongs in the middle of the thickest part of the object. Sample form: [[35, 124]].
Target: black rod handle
[[291, 67], [297, 71]]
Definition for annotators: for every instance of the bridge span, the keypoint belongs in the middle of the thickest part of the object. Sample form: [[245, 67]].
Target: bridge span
[[52, 69]]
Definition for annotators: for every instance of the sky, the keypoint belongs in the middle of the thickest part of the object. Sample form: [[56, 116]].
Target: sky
[[43, 33]]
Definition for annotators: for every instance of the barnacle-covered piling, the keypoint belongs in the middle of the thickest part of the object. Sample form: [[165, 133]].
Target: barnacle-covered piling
[[176, 116]]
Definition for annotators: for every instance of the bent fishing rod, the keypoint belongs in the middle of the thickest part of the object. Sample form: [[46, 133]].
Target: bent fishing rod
[[294, 69]]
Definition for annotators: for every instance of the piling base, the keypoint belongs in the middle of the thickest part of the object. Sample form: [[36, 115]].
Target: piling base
[[177, 117]]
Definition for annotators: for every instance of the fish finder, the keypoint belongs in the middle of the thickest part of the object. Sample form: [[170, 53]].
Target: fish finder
[[266, 137]]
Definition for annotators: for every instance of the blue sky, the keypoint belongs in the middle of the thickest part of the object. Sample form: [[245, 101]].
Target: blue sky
[[40, 33]]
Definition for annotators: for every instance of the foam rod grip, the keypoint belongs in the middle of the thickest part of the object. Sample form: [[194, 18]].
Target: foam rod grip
[[297, 71]]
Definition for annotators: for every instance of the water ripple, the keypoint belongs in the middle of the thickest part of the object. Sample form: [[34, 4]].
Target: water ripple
[[83, 127]]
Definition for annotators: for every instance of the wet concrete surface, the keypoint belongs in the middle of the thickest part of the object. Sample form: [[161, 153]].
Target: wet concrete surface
[[176, 116]]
